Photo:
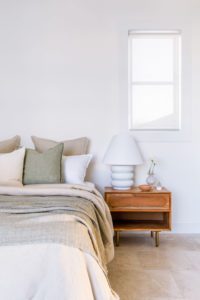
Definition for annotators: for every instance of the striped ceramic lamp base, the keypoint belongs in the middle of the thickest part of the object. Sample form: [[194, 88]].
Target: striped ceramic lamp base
[[122, 177]]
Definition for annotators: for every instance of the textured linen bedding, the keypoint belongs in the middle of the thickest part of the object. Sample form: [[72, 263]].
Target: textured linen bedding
[[55, 242]]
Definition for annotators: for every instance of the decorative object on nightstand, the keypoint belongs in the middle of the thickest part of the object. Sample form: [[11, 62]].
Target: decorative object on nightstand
[[133, 210], [158, 186], [122, 154], [151, 178], [145, 187]]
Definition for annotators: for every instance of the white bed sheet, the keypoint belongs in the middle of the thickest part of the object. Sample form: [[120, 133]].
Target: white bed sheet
[[51, 272]]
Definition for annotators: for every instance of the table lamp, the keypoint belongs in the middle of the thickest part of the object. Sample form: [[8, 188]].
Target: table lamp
[[122, 154]]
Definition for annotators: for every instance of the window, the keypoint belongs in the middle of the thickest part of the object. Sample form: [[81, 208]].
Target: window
[[154, 80]]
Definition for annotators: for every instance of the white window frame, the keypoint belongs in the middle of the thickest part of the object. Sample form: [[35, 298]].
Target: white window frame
[[176, 82]]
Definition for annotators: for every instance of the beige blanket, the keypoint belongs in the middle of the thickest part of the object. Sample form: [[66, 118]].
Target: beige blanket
[[27, 207]]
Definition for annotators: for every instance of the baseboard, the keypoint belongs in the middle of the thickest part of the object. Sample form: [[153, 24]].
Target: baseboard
[[186, 228]]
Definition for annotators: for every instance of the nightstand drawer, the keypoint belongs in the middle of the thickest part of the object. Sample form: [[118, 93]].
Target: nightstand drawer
[[138, 201]]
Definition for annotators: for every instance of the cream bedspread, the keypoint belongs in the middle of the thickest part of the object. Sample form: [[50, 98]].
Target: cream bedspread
[[54, 271]]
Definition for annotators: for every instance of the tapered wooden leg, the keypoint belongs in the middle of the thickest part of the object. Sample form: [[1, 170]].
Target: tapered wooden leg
[[157, 241], [117, 238], [152, 234]]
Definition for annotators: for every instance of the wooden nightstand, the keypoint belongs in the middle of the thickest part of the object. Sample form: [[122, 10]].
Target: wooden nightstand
[[133, 210]]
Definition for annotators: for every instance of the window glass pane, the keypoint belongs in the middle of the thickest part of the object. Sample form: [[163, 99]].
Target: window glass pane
[[152, 58], [153, 107]]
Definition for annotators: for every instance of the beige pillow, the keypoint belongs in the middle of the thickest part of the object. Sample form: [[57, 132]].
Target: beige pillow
[[71, 147], [11, 166], [10, 144]]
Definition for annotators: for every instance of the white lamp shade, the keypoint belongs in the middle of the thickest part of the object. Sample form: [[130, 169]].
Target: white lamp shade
[[123, 150]]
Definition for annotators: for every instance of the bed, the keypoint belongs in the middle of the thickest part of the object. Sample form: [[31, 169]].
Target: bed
[[55, 243]]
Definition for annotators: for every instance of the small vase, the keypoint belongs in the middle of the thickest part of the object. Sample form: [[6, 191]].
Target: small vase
[[151, 179]]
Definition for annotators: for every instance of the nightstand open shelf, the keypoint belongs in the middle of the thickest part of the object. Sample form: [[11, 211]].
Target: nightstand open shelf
[[133, 210], [121, 225]]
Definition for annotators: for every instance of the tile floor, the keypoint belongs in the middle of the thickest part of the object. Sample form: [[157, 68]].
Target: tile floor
[[141, 271]]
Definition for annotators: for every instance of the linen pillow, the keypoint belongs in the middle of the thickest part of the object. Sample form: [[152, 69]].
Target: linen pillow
[[74, 168], [71, 147], [11, 166], [43, 167], [10, 145]]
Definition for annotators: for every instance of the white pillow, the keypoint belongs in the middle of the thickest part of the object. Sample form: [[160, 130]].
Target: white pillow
[[74, 168], [11, 166]]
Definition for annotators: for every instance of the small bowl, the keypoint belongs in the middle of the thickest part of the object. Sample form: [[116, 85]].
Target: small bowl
[[145, 187]]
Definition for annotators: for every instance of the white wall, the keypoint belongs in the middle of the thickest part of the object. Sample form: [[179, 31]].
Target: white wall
[[63, 74]]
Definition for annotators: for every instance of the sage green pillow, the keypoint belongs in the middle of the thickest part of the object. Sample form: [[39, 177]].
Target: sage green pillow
[[43, 167]]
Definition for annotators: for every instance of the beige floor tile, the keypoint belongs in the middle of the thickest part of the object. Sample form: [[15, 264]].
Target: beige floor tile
[[134, 284], [196, 240], [137, 241], [126, 259], [194, 258], [189, 283], [162, 298], [153, 260], [141, 271], [179, 242], [179, 260], [165, 260]]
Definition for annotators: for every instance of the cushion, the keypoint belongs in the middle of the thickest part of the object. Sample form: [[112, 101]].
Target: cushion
[[74, 168], [10, 145], [71, 147], [11, 166], [43, 167]]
